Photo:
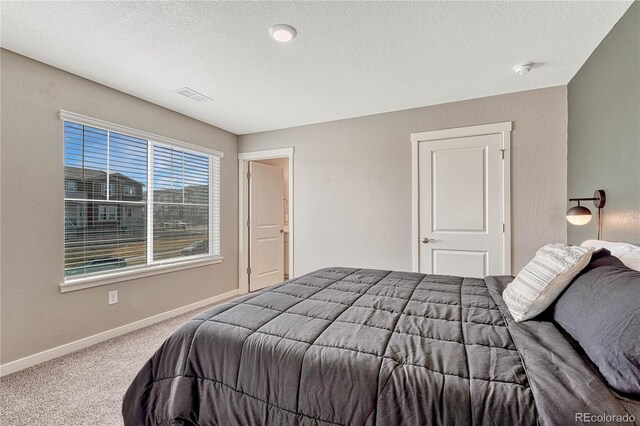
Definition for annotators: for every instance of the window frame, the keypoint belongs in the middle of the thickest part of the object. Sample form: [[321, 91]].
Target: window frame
[[165, 265]]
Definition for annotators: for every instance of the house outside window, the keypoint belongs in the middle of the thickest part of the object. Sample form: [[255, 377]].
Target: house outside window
[[143, 200]]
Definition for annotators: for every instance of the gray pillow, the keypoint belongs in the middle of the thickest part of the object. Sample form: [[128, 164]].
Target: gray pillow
[[601, 310]]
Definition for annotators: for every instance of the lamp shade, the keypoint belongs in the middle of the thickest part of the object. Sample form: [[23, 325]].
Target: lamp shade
[[579, 215]]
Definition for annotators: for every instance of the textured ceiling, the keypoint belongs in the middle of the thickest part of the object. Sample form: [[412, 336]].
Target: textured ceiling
[[349, 59]]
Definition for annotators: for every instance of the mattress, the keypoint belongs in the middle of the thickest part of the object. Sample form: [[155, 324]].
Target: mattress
[[345, 346]]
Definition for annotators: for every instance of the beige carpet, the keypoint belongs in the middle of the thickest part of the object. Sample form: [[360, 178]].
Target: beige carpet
[[85, 387]]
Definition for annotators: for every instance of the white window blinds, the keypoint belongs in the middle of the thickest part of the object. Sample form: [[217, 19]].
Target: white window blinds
[[132, 202], [180, 197]]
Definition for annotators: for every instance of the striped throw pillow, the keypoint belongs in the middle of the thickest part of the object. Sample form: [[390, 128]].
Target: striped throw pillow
[[542, 280]]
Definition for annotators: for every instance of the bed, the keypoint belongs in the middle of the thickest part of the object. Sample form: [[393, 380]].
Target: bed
[[344, 346]]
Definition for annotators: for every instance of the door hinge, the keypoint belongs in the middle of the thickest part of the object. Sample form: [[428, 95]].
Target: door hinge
[[248, 223], [248, 175], [248, 271], [504, 227], [502, 153]]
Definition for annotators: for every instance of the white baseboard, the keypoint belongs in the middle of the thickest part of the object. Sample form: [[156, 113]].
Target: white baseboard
[[49, 354]]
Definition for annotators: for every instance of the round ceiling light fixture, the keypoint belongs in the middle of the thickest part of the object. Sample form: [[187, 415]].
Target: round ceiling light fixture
[[522, 69], [282, 33]]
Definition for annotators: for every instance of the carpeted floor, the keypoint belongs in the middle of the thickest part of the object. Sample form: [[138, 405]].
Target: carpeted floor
[[85, 387]]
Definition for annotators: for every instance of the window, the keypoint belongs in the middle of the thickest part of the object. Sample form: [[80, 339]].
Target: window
[[147, 201], [103, 188], [107, 212], [128, 190]]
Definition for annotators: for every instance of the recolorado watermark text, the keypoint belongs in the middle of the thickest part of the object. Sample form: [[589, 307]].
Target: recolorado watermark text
[[604, 418]]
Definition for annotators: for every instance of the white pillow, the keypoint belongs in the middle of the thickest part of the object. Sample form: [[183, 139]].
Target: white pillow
[[616, 249], [632, 259], [542, 280]]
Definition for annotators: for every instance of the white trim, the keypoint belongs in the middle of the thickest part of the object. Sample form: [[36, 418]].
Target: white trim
[[415, 206], [95, 200], [461, 132], [243, 214], [113, 127], [49, 354], [149, 204], [266, 155], [213, 205], [132, 273], [506, 201]]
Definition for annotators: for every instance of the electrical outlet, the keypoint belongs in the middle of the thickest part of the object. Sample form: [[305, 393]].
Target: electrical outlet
[[113, 297]]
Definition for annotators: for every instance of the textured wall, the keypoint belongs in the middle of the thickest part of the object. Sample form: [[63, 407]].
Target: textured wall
[[352, 181], [35, 315], [604, 133]]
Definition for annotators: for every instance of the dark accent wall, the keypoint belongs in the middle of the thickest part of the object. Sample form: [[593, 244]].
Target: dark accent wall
[[604, 133]]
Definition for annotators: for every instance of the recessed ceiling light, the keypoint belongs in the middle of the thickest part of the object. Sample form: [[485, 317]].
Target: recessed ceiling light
[[283, 33], [521, 69]]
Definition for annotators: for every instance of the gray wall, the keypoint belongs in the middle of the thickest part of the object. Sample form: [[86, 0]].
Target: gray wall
[[35, 315], [352, 183], [604, 133]]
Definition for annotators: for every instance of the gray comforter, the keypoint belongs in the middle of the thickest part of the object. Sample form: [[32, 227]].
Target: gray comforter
[[345, 346]]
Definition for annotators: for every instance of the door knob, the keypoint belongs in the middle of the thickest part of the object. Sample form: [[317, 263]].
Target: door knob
[[426, 240]]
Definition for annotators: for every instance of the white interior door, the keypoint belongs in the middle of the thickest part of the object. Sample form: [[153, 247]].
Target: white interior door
[[266, 232], [461, 206]]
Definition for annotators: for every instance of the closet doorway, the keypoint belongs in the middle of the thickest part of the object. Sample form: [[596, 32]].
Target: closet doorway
[[265, 218]]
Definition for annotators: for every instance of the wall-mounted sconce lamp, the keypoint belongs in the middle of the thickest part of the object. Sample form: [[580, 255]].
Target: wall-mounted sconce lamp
[[580, 215]]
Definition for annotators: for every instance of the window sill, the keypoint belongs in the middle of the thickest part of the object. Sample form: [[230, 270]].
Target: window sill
[[114, 277]]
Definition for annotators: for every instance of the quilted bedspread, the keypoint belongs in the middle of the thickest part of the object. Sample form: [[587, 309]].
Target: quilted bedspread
[[344, 346]]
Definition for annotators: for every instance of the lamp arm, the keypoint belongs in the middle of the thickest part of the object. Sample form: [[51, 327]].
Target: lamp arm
[[599, 199]]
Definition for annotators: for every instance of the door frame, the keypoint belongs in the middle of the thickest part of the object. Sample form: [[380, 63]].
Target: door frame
[[503, 129], [243, 210]]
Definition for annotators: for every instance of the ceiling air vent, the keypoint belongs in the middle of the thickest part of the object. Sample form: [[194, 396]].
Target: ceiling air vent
[[192, 94]]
